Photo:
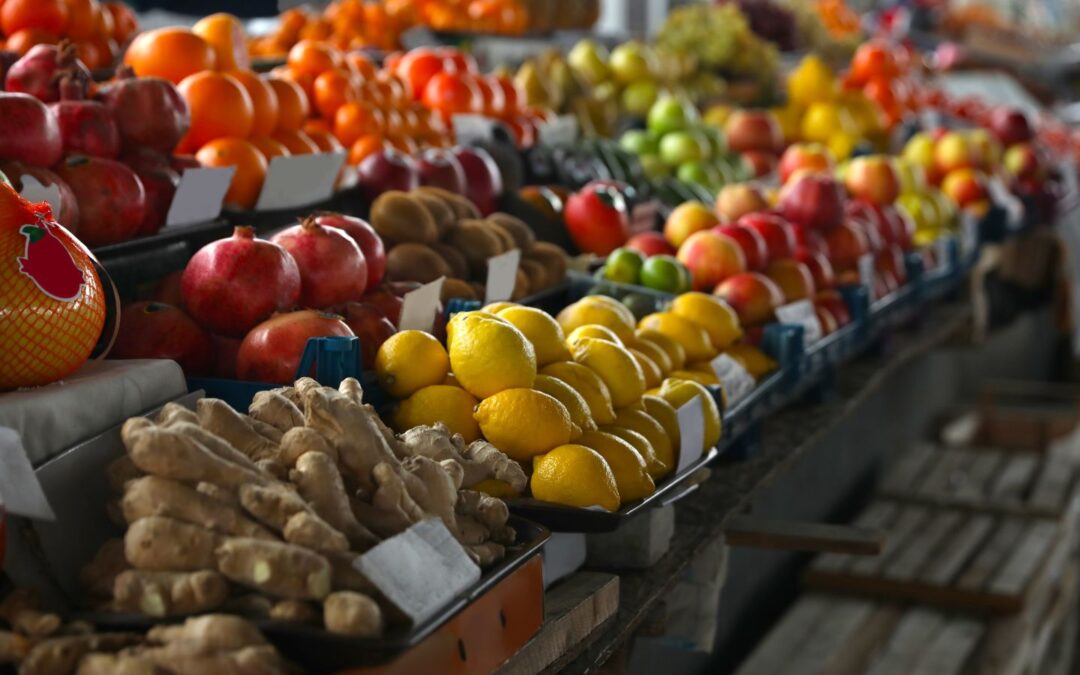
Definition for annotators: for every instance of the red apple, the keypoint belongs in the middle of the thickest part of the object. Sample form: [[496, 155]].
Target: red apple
[[1023, 162], [953, 152], [387, 170], [873, 178], [847, 243], [748, 130], [650, 244], [753, 296], [775, 230], [738, 199], [711, 258], [890, 260], [153, 330], [870, 217], [834, 302], [812, 157], [750, 241], [1009, 125], [440, 168], [809, 240], [793, 278], [761, 163], [965, 187], [371, 326], [820, 268], [483, 180], [813, 200], [874, 241]]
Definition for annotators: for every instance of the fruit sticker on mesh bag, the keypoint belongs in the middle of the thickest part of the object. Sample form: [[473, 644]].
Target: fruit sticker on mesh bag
[[48, 263]]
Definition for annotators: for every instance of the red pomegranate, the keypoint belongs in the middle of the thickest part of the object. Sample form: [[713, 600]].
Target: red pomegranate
[[68, 213], [332, 267], [371, 326], [232, 284], [371, 245], [160, 182], [167, 290], [86, 127], [226, 350], [37, 73], [386, 301], [149, 111], [271, 352], [112, 201], [153, 330], [29, 131]]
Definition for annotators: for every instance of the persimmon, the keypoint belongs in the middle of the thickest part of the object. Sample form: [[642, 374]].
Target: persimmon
[[297, 142], [312, 58], [124, 23], [292, 103], [81, 19], [169, 53], [332, 89], [49, 16], [417, 67], [250, 166], [220, 107], [264, 102], [269, 147], [364, 146], [225, 34], [21, 41], [354, 120]]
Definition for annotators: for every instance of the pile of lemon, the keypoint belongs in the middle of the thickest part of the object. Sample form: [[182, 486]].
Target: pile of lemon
[[587, 398]]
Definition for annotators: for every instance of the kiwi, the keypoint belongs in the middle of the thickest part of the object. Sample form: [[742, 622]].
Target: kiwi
[[400, 217], [552, 258], [459, 266], [506, 240], [479, 289], [461, 205], [522, 288], [415, 262], [524, 238], [441, 211], [538, 276], [476, 242], [456, 288]]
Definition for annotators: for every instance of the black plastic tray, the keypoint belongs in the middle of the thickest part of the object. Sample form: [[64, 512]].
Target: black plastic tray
[[319, 651], [572, 519]]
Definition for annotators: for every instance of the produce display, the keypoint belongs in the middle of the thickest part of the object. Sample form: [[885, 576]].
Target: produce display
[[97, 31]]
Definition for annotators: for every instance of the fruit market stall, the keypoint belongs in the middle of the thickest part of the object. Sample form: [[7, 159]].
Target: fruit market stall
[[321, 353]]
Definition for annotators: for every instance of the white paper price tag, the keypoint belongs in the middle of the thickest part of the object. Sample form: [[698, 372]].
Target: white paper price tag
[[737, 380], [563, 130], [34, 191], [867, 271], [472, 128], [20, 492], [691, 433], [501, 276], [941, 251], [1002, 197], [801, 313], [969, 233], [299, 180], [418, 307], [199, 196]]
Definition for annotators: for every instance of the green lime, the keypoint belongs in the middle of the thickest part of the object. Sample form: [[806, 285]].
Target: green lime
[[623, 266], [665, 273]]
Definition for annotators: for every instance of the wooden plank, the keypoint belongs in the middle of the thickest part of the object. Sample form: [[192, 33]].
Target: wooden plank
[[877, 515], [1013, 481], [1025, 559], [830, 634], [862, 645], [923, 547], [951, 649], [774, 651], [915, 630], [573, 609], [980, 473], [941, 483], [959, 548], [750, 532], [1001, 544], [1052, 484], [907, 522], [911, 464]]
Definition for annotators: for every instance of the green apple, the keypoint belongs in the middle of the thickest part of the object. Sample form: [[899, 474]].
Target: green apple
[[681, 147], [653, 166], [638, 97], [639, 142], [669, 114], [698, 172], [623, 265], [589, 61], [631, 62]]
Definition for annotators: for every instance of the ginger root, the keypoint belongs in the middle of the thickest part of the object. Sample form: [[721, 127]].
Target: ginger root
[[21, 610], [434, 487], [214, 443], [13, 647], [280, 570], [97, 576], [355, 614], [261, 660], [61, 655], [344, 576], [120, 471], [310, 531], [392, 496], [171, 454], [211, 632], [168, 545], [119, 664], [294, 611], [272, 408], [351, 429], [218, 417], [479, 461], [161, 594], [155, 496], [320, 483], [350, 388], [299, 441], [173, 413]]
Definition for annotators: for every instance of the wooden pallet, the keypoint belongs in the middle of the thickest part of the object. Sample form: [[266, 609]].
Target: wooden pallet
[[1017, 416], [948, 557]]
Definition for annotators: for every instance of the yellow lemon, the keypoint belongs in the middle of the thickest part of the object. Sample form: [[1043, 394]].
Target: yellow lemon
[[631, 476], [789, 118], [664, 413], [524, 422], [842, 144], [823, 119], [653, 431], [496, 307], [717, 317], [641, 444], [655, 353], [541, 329], [691, 336], [695, 376], [615, 366], [409, 361], [811, 81], [677, 392], [675, 351], [588, 311], [615, 305], [565, 394], [649, 369], [461, 317], [574, 475], [453, 406], [753, 359], [488, 356], [588, 384], [593, 330]]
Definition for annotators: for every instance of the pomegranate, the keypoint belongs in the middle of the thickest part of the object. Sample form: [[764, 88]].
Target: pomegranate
[[160, 182], [38, 72], [371, 245], [149, 111], [86, 127], [386, 301], [68, 212], [167, 290], [332, 266], [112, 201], [271, 352], [29, 131], [371, 326], [232, 284], [226, 349], [153, 330]]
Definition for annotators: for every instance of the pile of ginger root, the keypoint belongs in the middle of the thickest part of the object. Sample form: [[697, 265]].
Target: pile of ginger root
[[265, 514]]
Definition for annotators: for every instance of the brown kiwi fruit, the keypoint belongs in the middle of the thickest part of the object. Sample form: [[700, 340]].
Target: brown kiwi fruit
[[476, 242], [461, 205], [538, 276], [506, 241], [552, 258], [524, 238], [479, 289], [459, 266], [441, 211], [398, 216], [415, 262], [456, 288], [521, 286]]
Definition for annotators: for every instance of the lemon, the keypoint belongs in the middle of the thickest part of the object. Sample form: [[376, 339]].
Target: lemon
[[615, 366], [409, 361], [691, 336], [588, 384], [594, 330], [565, 394], [496, 307], [811, 81], [541, 329], [589, 311], [655, 353], [574, 475], [753, 359], [649, 369], [653, 431], [842, 144], [675, 351], [711, 313], [641, 444], [823, 119], [453, 406], [631, 476], [524, 422], [488, 356], [461, 317], [608, 301], [664, 413], [695, 376], [677, 392]]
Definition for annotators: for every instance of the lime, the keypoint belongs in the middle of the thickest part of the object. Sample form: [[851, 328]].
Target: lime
[[623, 265], [638, 141], [665, 273]]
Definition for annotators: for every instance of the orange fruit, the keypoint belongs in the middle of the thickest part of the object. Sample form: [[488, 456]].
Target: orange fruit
[[264, 102], [269, 147], [292, 103], [292, 22], [50, 16], [21, 41], [314, 125], [450, 94], [82, 19], [361, 65], [317, 30], [225, 34], [297, 142], [332, 89], [325, 141], [219, 106], [354, 120], [364, 146], [250, 168], [124, 23], [313, 58], [169, 53]]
